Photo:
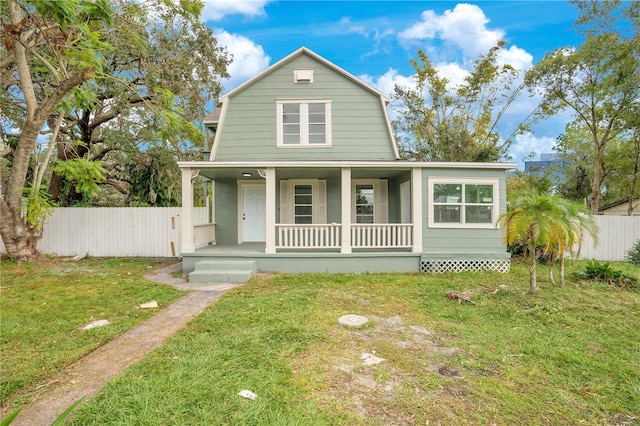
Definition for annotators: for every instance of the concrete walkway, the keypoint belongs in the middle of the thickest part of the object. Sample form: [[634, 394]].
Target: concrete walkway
[[86, 377]]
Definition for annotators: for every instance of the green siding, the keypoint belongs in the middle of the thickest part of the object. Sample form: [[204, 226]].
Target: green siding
[[318, 262], [334, 201], [462, 243], [359, 128], [226, 205]]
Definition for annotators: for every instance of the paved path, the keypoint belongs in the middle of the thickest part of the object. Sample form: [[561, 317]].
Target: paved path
[[87, 376]]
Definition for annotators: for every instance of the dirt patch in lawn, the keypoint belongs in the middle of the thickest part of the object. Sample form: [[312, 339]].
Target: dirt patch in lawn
[[419, 370]]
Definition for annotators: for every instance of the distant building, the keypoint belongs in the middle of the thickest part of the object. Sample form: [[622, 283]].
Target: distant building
[[550, 164], [620, 208]]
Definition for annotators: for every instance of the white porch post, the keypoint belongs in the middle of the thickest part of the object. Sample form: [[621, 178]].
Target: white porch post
[[416, 208], [186, 213], [346, 210], [270, 245]]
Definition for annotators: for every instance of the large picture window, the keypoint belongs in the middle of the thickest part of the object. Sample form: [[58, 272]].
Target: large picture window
[[304, 123], [463, 203]]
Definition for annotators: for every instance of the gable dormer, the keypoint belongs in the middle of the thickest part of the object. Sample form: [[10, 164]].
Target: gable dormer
[[303, 108]]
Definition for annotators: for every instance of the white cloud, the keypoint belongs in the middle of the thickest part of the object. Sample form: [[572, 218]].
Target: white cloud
[[465, 27], [526, 144], [249, 58], [388, 81], [215, 10], [453, 72], [518, 58], [349, 27]]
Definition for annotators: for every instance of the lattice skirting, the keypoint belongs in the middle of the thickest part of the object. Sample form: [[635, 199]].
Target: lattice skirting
[[452, 265]]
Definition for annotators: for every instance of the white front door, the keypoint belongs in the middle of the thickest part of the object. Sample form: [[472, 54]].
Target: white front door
[[253, 214]]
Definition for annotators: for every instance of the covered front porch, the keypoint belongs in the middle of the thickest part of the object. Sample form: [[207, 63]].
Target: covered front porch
[[316, 261], [304, 208]]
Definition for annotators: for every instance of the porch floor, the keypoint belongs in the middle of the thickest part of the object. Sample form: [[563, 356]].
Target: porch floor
[[231, 249], [297, 261], [258, 248]]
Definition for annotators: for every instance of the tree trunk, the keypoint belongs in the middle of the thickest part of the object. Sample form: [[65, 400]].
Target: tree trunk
[[562, 271], [551, 277], [634, 176], [19, 239], [595, 184], [533, 282]]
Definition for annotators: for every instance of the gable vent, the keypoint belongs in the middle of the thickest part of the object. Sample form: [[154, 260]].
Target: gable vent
[[302, 76]]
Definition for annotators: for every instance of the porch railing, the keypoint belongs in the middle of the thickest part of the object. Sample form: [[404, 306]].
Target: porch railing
[[382, 235], [328, 236], [204, 235], [308, 236]]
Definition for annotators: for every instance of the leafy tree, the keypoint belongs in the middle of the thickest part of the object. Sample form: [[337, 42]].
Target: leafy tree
[[438, 122], [106, 81], [598, 81], [619, 164], [574, 148], [519, 182], [48, 50], [572, 221], [153, 179], [546, 221], [164, 69]]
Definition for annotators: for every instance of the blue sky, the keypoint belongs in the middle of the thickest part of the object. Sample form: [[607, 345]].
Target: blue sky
[[375, 40]]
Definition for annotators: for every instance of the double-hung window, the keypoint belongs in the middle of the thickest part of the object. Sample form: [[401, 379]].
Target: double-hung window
[[303, 201], [370, 201], [303, 204], [304, 123], [468, 203]]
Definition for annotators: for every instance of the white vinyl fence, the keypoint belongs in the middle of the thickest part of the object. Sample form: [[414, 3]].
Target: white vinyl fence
[[155, 232], [114, 231], [615, 237]]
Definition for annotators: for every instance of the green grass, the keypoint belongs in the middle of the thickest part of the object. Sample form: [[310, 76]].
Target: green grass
[[45, 305], [568, 356]]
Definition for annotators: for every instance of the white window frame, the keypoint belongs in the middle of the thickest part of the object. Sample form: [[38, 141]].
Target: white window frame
[[380, 199], [318, 198], [304, 122], [464, 181]]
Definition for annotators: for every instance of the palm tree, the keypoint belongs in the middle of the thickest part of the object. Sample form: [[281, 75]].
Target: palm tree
[[573, 221], [543, 220]]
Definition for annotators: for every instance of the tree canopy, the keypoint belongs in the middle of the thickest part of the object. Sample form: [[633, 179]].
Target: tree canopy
[[104, 83], [442, 121], [599, 82]]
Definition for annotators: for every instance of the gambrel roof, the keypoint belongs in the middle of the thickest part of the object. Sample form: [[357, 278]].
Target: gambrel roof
[[315, 56]]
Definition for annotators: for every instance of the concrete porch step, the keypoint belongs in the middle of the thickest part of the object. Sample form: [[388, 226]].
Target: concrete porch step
[[222, 271]]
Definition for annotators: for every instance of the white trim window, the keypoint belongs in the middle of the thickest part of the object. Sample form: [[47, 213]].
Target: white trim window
[[463, 203], [370, 201], [303, 201], [303, 123]]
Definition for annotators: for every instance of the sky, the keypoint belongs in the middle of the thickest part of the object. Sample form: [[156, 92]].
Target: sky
[[375, 40]]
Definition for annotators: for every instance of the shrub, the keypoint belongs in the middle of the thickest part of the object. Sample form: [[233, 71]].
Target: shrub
[[633, 254], [604, 272]]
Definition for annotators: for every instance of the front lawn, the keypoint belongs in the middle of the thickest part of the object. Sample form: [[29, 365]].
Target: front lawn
[[568, 356], [44, 306]]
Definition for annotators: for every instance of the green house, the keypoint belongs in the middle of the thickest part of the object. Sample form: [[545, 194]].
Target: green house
[[306, 177]]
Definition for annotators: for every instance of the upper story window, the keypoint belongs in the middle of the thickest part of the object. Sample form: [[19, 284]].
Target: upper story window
[[304, 123], [467, 203]]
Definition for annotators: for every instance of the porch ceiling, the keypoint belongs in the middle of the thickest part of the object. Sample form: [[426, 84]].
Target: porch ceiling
[[302, 173]]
